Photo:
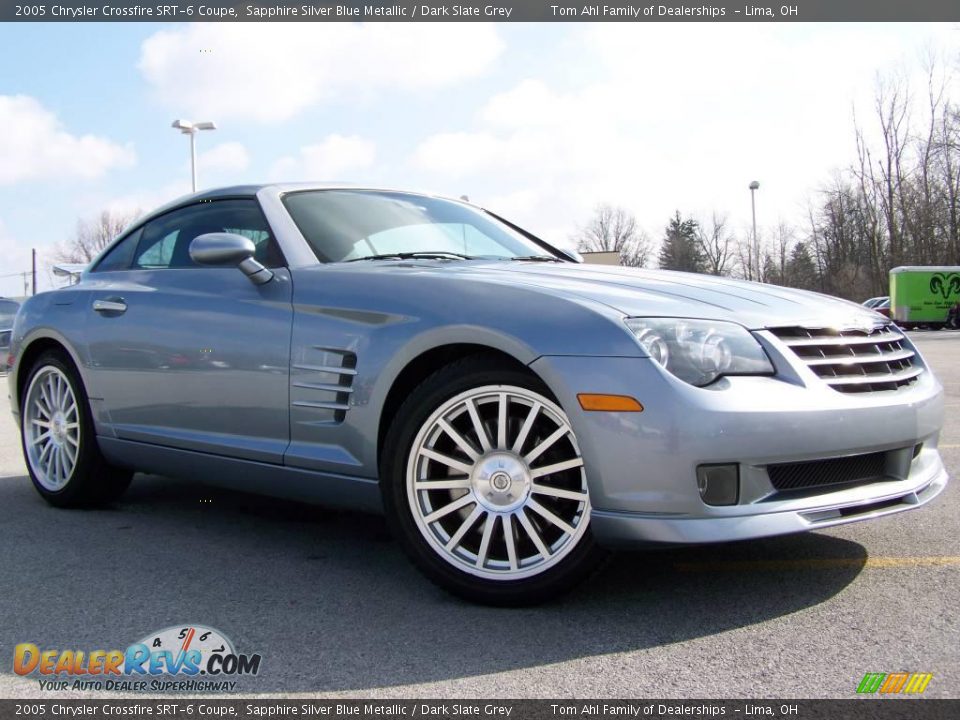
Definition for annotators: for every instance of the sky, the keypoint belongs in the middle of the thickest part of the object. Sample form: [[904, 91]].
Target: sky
[[538, 122]]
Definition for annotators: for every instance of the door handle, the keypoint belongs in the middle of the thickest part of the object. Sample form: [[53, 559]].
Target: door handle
[[114, 305]]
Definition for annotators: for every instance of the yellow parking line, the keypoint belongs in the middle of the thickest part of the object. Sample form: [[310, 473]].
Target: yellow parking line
[[822, 563]]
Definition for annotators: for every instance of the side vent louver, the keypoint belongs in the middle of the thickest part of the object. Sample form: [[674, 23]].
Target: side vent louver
[[323, 383]]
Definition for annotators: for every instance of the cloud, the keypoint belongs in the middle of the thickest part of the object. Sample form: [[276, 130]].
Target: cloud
[[461, 153], [34, 146], [225, 157], [133, 203], [336, 157], [272, 72], [681, 117]]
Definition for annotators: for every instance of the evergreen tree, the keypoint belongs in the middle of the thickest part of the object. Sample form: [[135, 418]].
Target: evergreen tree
[[801, 270], [681, 249]]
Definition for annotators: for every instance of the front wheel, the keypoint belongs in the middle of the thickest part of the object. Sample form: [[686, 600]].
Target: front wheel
[[485, 486], [58, 438]]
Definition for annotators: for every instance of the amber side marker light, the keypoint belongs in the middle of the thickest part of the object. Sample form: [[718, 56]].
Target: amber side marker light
[[609, 403]]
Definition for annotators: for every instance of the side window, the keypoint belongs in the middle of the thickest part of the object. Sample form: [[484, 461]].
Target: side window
[[159, 254], [165, 241], [122, 253]]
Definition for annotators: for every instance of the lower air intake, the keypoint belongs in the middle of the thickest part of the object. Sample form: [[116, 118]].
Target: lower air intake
[[821, 473]]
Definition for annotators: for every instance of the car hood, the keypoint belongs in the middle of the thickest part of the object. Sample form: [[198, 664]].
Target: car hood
[[638, 292]]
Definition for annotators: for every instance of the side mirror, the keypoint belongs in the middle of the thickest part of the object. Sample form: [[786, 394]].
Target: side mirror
[[229, 250]]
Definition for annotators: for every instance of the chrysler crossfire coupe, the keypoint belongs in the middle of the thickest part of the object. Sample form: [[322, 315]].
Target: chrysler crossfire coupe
[[512, 411]]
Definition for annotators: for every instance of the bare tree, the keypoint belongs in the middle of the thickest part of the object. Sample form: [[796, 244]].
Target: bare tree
[[783, 239], [948, 161], [614, 229], [716, 244], [746, 265], [892, 106], [93, 235], [899, 202]]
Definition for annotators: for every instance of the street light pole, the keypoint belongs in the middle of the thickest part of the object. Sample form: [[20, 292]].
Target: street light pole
[[193, 164], [187, 127], [753, 207]]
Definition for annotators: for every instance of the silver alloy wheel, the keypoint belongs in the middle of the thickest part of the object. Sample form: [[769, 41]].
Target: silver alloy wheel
[[496, 483], [51, 428]]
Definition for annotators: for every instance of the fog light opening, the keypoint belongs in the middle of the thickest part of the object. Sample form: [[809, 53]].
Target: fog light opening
[[719, 484]]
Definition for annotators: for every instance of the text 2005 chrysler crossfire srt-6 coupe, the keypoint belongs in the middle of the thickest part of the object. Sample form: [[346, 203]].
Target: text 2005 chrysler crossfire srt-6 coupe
[[511, 410]]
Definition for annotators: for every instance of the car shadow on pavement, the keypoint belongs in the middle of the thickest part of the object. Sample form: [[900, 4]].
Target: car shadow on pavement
[[331, 604]]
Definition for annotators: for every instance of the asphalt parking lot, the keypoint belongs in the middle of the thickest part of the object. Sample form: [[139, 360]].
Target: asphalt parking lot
[[334, 608]]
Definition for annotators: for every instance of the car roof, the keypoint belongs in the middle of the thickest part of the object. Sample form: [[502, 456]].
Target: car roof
[[250, 191], [233, 191]]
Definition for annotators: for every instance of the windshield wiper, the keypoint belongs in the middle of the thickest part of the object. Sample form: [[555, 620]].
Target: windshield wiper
[[538, 258], [426, 254]]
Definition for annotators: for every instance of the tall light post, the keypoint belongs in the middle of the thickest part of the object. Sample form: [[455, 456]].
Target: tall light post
[[186, 127], [753, 206]]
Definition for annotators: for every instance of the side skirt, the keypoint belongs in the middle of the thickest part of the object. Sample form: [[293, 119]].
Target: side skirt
[[342, 491]]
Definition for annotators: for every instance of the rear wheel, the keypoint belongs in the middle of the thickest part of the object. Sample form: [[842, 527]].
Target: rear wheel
[[485, 486], [58, 440]]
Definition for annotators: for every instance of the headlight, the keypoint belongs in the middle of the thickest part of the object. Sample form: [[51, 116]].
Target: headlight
[[700, 351]]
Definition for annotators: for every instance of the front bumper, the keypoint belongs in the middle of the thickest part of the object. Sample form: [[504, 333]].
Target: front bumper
[[620, 529], [641, 467]]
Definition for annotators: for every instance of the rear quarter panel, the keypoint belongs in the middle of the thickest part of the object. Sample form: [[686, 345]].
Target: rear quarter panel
[[57, 316]]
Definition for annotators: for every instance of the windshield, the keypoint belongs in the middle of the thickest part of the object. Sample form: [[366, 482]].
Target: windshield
[[345, 225], [8, 309]]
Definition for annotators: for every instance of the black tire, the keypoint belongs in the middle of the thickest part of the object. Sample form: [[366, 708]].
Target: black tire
[[92, 481], [447, 383]]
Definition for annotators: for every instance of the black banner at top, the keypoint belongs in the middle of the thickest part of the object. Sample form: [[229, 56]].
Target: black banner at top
[[469, 11], [181, 708]]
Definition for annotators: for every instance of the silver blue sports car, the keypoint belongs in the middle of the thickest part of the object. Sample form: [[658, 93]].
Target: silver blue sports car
[[512, 411]]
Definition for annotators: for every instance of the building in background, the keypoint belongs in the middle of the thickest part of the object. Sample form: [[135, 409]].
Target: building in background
[[601, 258]]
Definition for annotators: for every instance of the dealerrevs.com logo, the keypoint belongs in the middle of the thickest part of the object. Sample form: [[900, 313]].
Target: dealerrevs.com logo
[[182, 658]]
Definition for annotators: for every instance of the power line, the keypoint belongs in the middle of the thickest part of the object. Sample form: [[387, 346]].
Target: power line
[[29, 276]]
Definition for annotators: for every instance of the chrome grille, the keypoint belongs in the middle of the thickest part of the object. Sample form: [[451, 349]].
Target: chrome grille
[[855, 361]]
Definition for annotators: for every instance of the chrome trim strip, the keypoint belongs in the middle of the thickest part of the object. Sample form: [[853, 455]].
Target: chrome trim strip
[[841, 340], [320, 405], [324, 386], [326, 368], [874, 378], [861, 359]]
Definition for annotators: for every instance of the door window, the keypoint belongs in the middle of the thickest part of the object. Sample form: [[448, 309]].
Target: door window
[[165, 241], [120, 254]]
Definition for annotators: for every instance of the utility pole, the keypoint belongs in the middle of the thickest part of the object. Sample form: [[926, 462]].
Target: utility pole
[[33, 286]]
